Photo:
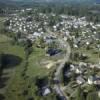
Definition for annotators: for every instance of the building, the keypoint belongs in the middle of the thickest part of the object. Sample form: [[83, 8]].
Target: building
[[80, 80], [90, 80], [45, 91]]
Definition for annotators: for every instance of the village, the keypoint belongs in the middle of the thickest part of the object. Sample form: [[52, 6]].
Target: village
[[52, 32]]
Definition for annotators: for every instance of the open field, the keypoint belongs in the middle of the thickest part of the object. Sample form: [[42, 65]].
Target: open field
[[20, 83], [17, 82], [2, 19], [92, 56], [9, 74], [3, 38]]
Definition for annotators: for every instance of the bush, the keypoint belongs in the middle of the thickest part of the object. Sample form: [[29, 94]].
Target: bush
[[30, 98], [25, 93]]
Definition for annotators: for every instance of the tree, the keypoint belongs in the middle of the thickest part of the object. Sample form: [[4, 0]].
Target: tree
[[54, 45], [28, 51], [42, 43], [28, 44], [80, 94], [92, 88], [92, 96], [28, 48], [7, 23], [73, 76], [1, 62], [76, 56]]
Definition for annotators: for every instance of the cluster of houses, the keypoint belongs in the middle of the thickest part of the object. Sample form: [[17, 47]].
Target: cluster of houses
[[78, 30], [82, 74], [69, 22], [72, 22], [24, 25]]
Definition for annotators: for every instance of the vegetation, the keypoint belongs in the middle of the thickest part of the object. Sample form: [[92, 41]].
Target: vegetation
[[92, 96], [91, 56], [80, 94], [21, 84], [20, 63]]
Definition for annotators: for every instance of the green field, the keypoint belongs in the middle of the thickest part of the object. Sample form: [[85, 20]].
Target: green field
[[7, 48], [17, 82], [34, 63], [2, 19], [92, 56]]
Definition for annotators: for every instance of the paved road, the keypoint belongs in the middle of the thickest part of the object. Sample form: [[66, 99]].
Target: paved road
[[57, 87]]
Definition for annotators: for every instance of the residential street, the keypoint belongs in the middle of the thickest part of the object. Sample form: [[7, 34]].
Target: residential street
[[57, 87]]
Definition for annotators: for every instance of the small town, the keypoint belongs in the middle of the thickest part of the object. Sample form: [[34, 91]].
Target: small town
[[49, 54]]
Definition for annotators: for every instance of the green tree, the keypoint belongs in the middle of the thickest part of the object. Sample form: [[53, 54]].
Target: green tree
[[92, 88], [80, 94], [92, 96], [0, 61], [42, 42], [28, 48]]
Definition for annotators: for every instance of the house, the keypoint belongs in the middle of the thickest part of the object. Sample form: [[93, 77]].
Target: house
[[72, 67], [97, 81], [77, 68], [94, 80], [91, 66], [45, 91], [75, 45], [80, 80], [65, 38], [87, 43], [78, 71], [36, 34], [90, 80], [49, 39], [95, 66], [82, 64]]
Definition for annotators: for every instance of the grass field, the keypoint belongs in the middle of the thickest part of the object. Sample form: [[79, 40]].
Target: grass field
[[7, 48], [17, 82], [2, 19], [93, 57], [3, 38], [36, 69]]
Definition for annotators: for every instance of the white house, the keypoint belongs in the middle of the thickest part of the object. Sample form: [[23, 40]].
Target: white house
[[80, 80], [46, 91], [78, 70], [90, 80]]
